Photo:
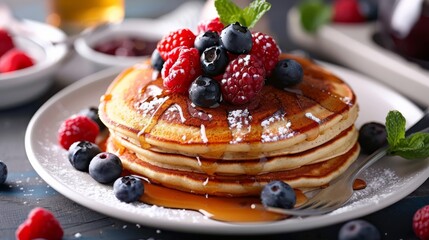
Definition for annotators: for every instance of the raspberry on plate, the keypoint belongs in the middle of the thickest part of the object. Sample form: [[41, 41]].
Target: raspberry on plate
[[243, 79], [265, 48], [40, 224], [181, 37], [6, 42], [181, 68], [77, 128], [347, 11], [13, 60], [214, 25], [421, 223]]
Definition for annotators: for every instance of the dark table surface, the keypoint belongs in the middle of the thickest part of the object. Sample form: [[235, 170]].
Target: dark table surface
[[25, 190]]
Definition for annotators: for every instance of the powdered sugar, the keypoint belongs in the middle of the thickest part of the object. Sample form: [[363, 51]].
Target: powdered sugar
[[239, 124]]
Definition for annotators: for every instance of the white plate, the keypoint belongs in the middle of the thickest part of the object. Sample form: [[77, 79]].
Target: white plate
[[352, 46], [389, 180]]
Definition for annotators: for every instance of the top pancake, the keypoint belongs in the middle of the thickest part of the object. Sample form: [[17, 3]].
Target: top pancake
[[278, 120]]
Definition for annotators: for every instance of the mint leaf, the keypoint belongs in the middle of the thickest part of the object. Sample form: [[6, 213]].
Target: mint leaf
[[314, 14], [229, 12], [395, 127], [414, 146], [254, 12]]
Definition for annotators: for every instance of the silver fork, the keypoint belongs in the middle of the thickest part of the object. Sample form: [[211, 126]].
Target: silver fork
[[340, 189]]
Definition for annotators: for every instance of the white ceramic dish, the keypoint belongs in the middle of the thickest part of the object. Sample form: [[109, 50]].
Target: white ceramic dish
[[388, 181], [36, 39], [144, 28], [352, 46]]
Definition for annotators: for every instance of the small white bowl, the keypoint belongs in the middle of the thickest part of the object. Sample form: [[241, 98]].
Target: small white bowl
[[145, 28], [36, 39]]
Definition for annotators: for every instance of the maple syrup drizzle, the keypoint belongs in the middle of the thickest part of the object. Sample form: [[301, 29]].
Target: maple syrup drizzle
[[359, 184], [230, 209]]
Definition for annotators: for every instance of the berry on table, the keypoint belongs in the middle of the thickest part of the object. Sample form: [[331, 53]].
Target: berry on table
[[214, 61], [358, 230], [236, 39], [81, 153], [421, 223], [265, 48], [181, 68], [243, 79], [347, 11], [372, 136], [3, 172], [181, 37], [40, 224], [278, 194], [92, 113], [206, 40], [128, 189], [6, 42], [214, 25], [13, 60], [105, 167], [287, 72], [205, 92], [77, 128]]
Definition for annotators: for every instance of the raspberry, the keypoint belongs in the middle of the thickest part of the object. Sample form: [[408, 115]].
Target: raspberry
[[182, 37], [347, 11], [6, 42], [421, 223], [214, 25], [14, 60], [181, 68], [243, 79], [40, 223], [77, 128], [264, 47]]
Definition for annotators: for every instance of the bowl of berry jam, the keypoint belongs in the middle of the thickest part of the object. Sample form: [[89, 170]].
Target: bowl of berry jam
[[121, 45], [29, 57]]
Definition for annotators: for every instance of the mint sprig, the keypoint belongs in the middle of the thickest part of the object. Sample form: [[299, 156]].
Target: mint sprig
[[229, 12], [314, 14], [415, 146]]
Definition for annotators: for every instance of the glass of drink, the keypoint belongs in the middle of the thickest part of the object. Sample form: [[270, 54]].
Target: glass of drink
[[73, 16]]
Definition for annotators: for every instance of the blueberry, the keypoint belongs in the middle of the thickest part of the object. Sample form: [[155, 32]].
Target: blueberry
[[3, 172], [206, 40], [156, 60], [105, 167], [81, 153], [214, 61], [236, 39], [278, 194], [368, 9], [287, 72], [92, 113], [205, 92], [128, 189], [372, 136], [358, 230]]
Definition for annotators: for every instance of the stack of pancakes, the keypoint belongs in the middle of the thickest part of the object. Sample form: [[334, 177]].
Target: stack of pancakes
[[303, 135]]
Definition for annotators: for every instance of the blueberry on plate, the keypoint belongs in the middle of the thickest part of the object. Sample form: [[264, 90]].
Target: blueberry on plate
[[278, 194], [287, 72], [3, 172], [214, 61], [205, 92], [372, 136], [156, 60], [236, 39], [81, 153], [105, 167], [128, 189], [92, 113], [358, 230], [206, 40]]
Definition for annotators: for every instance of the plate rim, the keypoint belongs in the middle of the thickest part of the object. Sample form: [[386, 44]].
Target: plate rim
[[218, 228]]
